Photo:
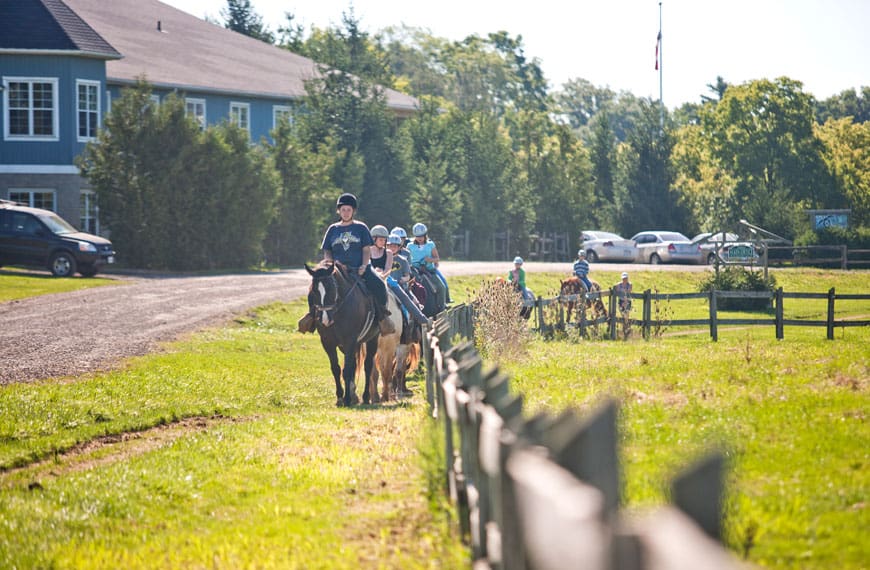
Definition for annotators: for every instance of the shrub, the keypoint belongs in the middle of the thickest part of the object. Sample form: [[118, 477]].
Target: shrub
[[854, 238], [740, 279], [499, 329]]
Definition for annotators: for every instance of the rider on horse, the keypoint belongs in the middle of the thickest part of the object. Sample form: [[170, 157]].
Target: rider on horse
[[581, 269], [425, 254], [348, 243]]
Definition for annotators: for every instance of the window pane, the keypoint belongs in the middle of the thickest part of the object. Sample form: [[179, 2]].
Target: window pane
[[43, 123], [18, 122]]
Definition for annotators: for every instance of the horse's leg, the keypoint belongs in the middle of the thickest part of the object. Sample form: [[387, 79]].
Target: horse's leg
[[349, 372], [368, 367], [335, 367]]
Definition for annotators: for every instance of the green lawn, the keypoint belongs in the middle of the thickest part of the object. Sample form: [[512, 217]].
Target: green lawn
[[16, 284]]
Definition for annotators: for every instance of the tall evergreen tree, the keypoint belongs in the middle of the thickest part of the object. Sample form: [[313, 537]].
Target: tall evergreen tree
[[239, 16]]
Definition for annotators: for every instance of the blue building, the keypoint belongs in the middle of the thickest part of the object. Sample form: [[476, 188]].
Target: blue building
[[62, 63]]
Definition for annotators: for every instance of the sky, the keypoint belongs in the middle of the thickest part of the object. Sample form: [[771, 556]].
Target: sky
[[823, 43]]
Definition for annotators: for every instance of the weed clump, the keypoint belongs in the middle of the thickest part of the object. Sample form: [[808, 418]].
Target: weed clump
[[499, 329], [739, 279]]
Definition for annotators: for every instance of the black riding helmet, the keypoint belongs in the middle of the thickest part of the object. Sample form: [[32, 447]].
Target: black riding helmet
[[346, 200]]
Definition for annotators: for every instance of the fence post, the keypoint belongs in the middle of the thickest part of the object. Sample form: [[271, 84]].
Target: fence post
[[844, 257], [779, 312], [612, 306], [647, 312], [714, 326], [831, 314], [582, 305]]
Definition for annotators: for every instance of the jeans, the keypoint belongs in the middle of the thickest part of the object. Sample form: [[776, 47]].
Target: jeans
[[407, 302]]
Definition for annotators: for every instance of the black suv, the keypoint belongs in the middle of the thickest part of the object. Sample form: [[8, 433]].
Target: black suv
[[41, 238]]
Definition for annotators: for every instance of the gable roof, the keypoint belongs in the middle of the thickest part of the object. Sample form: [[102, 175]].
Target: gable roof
[[48, 26], [174, 49]]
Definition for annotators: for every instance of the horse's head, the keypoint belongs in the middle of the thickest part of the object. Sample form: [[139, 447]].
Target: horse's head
[[323, 294]]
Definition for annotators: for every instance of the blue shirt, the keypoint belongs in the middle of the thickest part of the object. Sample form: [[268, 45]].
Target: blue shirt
[[346, 243], [419, 252], [581, 268]]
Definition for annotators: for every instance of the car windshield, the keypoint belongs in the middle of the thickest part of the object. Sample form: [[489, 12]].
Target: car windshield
[[606, 235], [673, 236], [57, 224]]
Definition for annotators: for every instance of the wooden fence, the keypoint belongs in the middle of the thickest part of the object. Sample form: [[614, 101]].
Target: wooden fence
[[839, 256], [647, 322], [544, 492]]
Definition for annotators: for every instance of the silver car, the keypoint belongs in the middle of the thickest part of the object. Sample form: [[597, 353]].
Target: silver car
[[667, 247], [605, 246], [728, 247]]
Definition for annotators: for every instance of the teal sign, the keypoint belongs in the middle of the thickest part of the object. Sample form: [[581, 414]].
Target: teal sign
[[741, 252]]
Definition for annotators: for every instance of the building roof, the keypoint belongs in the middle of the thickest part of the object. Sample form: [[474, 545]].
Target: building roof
[[48, 26], [174, 49]]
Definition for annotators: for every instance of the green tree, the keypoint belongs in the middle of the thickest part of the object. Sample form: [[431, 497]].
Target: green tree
[[176, 197], [644, 197], [761, 132], [848, 103], [847, 156], [239, 16]]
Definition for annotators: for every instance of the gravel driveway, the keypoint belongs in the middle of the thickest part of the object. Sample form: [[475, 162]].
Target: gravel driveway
[[73, 333]]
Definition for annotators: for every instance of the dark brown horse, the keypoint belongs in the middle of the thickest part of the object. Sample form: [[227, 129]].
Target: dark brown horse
[[345, 319], [574, 286], [434, 302]]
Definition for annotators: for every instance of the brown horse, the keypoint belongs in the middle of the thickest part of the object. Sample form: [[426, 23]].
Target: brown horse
[[574, 286], [345, 320]]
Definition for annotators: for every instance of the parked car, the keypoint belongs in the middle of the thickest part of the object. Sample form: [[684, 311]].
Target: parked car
[[40, 238], [605, 246], [728, 247], [667, 247]]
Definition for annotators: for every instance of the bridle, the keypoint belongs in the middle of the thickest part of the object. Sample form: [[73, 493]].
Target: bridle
[[330, 309]]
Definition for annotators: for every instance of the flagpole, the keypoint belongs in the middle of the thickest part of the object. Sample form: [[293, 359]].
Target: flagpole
[[661, 66]]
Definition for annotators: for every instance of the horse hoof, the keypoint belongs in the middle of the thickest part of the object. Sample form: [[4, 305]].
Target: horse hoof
[[339, 402]]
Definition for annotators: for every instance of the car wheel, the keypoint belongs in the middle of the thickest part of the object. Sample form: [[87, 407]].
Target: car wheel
[[711, 259], [592, 257], [88, 270], [655, 259], [62, 264]]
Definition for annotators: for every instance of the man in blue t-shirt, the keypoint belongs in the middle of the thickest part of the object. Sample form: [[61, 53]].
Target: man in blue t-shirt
[[348, 242]]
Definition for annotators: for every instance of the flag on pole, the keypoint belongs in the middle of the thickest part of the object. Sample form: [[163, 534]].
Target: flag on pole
[[658, 43]]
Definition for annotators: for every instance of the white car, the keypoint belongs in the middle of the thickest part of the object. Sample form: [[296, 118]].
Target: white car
[[605, 246], [667, 247]]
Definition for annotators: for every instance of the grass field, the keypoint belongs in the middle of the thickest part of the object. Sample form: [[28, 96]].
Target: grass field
[[15, 284], [226, 451]]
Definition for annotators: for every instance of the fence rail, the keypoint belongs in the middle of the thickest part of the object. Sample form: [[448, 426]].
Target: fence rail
[[647, 322], [544, 492], [837, 255]]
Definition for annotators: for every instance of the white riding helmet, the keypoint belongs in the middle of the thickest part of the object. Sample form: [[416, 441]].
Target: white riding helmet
[[399, 231], [581, 253], [420, 229], [518, 260], [379, 231]]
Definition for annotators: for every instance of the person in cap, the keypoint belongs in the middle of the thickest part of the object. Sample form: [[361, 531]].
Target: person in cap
[[398, 279], [581, 269], [424, 253], [348, 243], [623, 292], [517, 275]]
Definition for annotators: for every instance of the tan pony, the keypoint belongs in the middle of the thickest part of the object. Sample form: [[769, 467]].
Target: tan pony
[[574, 286], [396, 358]]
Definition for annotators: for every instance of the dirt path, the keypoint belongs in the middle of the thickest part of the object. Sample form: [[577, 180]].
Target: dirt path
[[74, 333]]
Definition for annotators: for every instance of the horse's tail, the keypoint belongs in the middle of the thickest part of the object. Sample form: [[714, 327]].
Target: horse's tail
[[360, 358], [413, 358]]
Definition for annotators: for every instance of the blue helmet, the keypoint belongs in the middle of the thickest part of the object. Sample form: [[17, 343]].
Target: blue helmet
[[399, 231], [518, 260], [395, 239], [420, 229]]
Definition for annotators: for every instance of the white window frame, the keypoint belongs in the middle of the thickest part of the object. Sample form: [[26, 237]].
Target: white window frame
[[196, 103], [96, 92], [155, 98], [278, 110], [31, 191], [240, 115], [108, 101], [88, 202], [53, 81]]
